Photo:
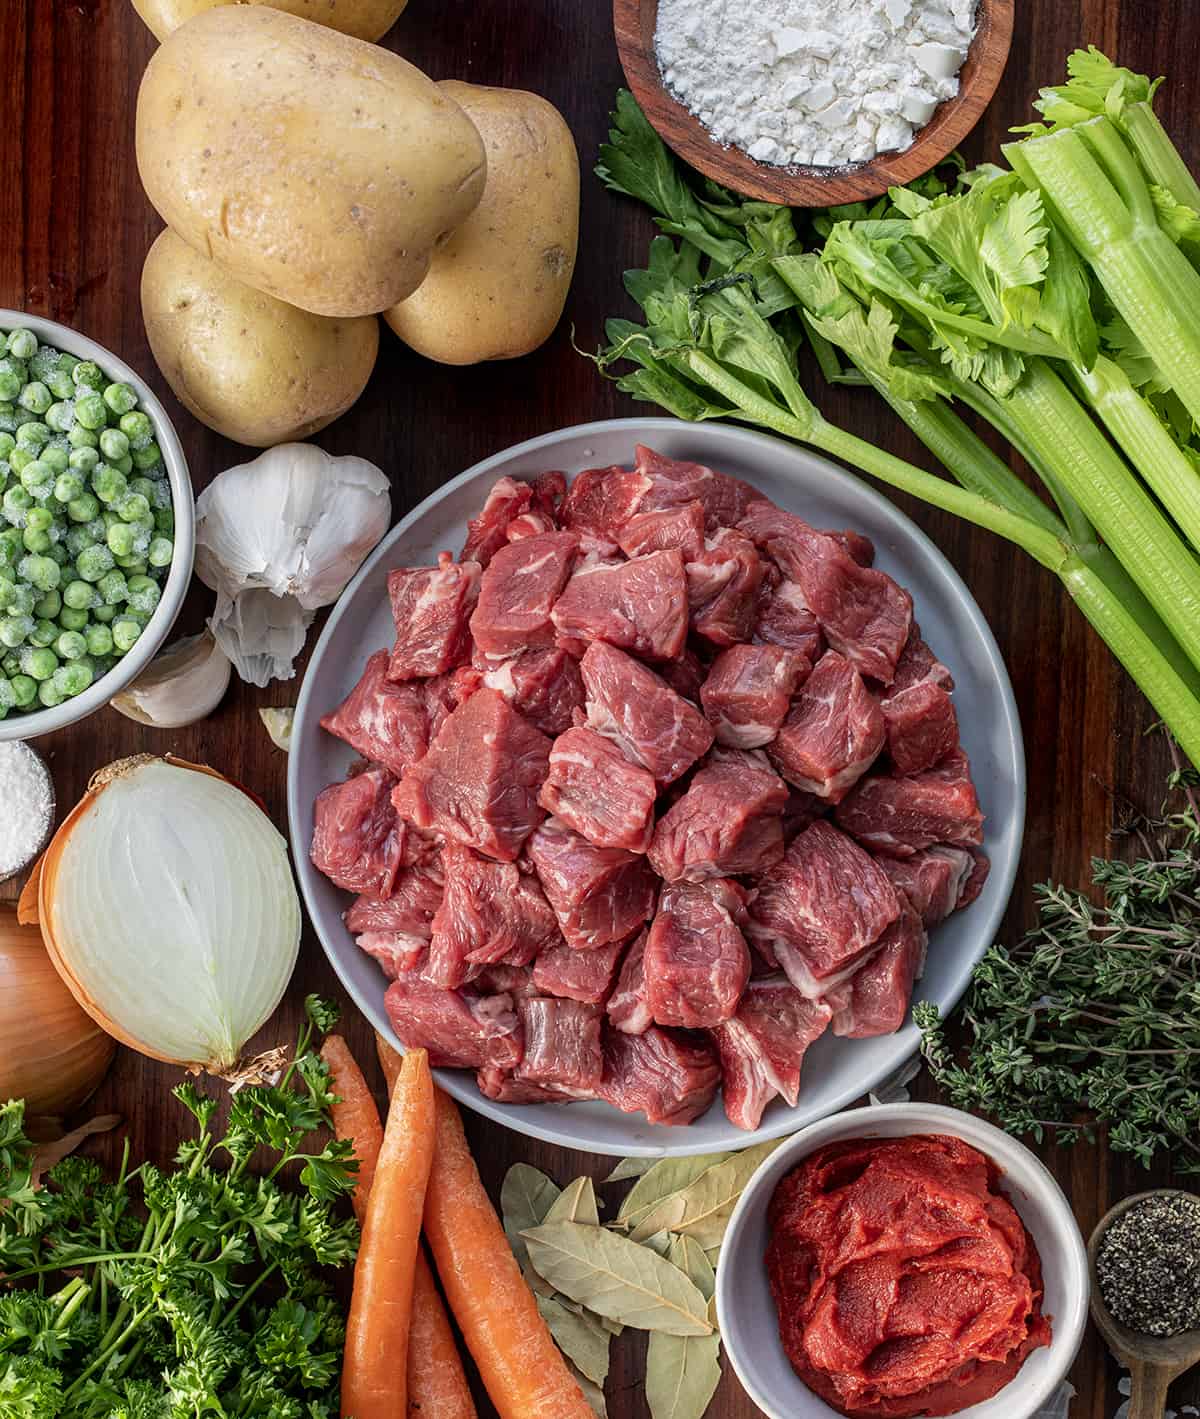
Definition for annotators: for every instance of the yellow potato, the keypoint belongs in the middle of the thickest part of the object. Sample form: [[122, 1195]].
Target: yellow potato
[[253, 368], [364, 19], [309, 165], [497, 286]]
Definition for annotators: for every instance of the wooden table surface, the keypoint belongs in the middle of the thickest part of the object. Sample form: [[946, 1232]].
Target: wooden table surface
[[74, 227]]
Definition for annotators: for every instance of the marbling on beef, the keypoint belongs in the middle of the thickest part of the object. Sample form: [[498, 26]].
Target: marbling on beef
[[628, 947]]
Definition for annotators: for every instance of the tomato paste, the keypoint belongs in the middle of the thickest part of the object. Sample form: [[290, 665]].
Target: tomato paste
[[904, 1280]]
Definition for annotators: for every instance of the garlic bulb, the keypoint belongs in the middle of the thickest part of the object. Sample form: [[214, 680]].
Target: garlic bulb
[[181, 685], [278, 724], [279, 537]]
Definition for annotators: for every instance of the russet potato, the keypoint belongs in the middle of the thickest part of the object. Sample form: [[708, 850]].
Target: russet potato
[[307, 164], [257, 370], [364, 19], [496, 287]]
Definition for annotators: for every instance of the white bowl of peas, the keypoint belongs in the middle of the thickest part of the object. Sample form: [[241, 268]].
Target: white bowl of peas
[[97, 528]]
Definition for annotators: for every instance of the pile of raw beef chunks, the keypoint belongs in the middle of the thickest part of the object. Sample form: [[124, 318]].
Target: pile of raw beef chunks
[[658, 783]]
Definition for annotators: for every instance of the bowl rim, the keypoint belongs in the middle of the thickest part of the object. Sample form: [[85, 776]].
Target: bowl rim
[[798, 186], [1014, 1159], [637, 428], [175, 588]]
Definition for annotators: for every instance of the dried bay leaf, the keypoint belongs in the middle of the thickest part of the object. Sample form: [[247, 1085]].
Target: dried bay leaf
[[630, 1168], [687, 1254], [591, 1392], [581, 1338], [659, 1242], [702, 1209], [526, 1196], [615, 1277], [712, 1312], [667, 1178], [576, 1203], [683, 1373]]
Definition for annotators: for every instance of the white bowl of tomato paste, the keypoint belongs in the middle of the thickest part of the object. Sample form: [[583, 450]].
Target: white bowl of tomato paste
[[902, 1260]]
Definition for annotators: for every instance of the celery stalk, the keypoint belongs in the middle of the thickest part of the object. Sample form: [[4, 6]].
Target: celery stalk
[[1158, 155]]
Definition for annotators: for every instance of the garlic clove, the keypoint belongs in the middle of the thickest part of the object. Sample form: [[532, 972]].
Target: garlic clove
[[262, 634], [278, 724], [181, 685]]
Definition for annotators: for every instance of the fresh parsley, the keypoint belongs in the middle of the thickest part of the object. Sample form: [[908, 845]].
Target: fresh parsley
[[183, 1292]]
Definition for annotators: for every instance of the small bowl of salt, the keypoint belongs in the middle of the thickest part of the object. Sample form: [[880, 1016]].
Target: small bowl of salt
[[813, 103], [26, 807]]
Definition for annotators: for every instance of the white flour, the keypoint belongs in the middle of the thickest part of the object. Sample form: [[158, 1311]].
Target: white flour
[[26, 806], [820, 82]]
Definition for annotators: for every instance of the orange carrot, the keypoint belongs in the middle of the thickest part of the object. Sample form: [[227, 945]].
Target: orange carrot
[[437, 1383], [523, 1370], [374, 1386], [390, 1060], [355, 1118]]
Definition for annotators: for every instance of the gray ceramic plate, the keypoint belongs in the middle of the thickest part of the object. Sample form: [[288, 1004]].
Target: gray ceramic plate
[[836, 1072]]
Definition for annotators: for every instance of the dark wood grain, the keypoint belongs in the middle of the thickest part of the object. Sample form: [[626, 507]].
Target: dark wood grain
[[74, 228], [634, 23]]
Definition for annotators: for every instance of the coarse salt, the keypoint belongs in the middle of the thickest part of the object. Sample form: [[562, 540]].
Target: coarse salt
[[26, 806], [822, 83]]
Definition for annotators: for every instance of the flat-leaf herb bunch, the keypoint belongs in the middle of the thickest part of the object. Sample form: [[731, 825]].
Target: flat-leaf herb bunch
[[178, 1293], [1094, 1018]]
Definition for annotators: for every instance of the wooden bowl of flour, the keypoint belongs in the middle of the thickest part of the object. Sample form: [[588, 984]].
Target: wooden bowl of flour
[[635, 21]]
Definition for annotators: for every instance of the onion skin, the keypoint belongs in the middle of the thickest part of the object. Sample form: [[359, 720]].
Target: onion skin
[[51, 1054], [44, 883]]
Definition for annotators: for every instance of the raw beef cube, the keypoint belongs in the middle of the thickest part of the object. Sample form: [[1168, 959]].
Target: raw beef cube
[[763, 1046], [821, 910], [479, 781], [577, 975], [602, 500], [640, 605], [855, 545], [900, 816], [931, 880], [488, 532], [833, 731], [801, 810], [562, 1043], [595, 790], [918, 714], [529, 524], [784, 619], [357, 841], [461, 1029], [728, 822], [675, 482], [628, 1008], [416, 895], [599, 894], [696, 961], [542, 684], [549, 489], [685, 675], [748, 690], [671, 1078], [506, 1088], [431, 607], [862, 612], [503, 979], [490, 912], [388, 724], [681, 528], [973, 883], [637, 709], [518, 591], [723, 585], [875, 999], [396, 952]]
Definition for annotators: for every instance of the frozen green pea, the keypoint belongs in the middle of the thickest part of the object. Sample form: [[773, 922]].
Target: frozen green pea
[[37, 478], [80, 596], [38, 661], [164, 521], [40, 572], [55, 457], [109, 484], [10, 382], [120, 398], [148, 457], [33, 434], [20, 458], [87, 374], [124, 465], [133, 566], [137, 428], [83, 460], [23, 599], [43, 632], [125, 632], [70, 645], [8, 417], [22, 344], [120, 539], [57, 553], [69, 486], [104, 614], [35, 542], [80, 535], [91, 411], [93, 562], [39, 519], [47, 606], [72, 620], [144, 594], [113, 444], [72, 679], [99, 639], [59, 381], [134, 507], [61, 416], [35, 397], [84, 509], [14, 630], [113, 588], [43, 361], [11, 663], [49, 695], [24, 689], [8, 443], [16, 503], [79, 437]]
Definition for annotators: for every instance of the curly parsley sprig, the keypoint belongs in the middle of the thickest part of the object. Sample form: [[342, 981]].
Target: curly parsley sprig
[[1093, 1020], [185, 1292]]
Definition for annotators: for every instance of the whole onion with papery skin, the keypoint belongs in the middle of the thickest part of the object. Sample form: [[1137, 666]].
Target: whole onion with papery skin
[[167, 904]]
